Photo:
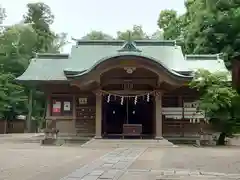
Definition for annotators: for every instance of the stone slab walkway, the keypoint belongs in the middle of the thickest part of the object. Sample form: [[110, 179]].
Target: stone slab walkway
[[111, 166], [117, 165]]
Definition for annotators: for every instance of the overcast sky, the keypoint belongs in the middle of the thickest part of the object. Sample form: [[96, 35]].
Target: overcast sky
[[78, 17]]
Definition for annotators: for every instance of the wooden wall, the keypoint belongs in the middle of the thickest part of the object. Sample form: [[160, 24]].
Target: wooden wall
[[14, 126], [236, 73], [85, 114], [82, 120], [180, 120]]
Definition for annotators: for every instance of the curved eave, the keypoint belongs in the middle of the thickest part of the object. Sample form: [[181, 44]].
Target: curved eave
[[70, 73], [40, 82], [174, 74]]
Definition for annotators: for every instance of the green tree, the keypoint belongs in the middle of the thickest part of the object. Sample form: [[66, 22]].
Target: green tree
[[136, 33], [16, 50], [213, 28], [171, 24], [97, 35], [207, 27], [17, 42], [2, 14], [12, 97], [218, 101], [157, 35], [39, 15]]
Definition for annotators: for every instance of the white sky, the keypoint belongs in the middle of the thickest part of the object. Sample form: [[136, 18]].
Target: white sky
[[78, 17]]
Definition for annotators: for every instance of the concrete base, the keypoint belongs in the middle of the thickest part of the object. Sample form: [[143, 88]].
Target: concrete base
[[48, 141], [159, 138], [98, 137]]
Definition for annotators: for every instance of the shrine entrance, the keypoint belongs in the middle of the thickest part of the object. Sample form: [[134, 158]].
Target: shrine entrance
[[129, 93], [128, 112]]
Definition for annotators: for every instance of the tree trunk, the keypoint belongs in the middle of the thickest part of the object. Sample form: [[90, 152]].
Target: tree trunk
[[221, 139]]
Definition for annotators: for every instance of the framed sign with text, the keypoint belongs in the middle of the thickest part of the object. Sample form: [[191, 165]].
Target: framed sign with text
[[56, 107], [82, 101]]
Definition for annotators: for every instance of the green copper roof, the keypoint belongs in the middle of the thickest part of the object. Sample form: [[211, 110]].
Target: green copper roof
[[211, 63], [129, 47], [85, 55]]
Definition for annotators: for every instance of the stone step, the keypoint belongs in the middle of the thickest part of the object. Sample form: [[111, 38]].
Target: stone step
[[18, 138], [107, 143]]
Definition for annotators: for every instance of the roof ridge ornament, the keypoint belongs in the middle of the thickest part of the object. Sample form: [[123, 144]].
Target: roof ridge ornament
[[129, 45]]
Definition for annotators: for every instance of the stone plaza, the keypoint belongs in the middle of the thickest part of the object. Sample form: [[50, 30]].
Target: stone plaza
[[28, 161]]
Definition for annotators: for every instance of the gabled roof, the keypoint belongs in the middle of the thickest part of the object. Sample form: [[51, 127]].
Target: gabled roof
[[87, 54], [211, 63]]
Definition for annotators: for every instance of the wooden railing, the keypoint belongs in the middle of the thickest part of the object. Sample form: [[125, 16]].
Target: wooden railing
[[183, 121], [182, 113]]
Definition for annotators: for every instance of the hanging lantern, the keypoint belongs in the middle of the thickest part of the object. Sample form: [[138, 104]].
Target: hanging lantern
[[108, 98], [135, 100], [122, 98], [148, 97]]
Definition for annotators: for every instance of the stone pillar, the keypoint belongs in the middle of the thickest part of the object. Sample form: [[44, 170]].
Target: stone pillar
[[158, 115], [98, 117]]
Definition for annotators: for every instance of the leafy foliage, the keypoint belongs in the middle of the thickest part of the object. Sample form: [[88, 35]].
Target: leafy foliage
[[171, 24], [40, 17], [97, 35], [136, 33], [216, 99], [157, 35], [18, 44], [2, 14], [208, 27], [12, 97]]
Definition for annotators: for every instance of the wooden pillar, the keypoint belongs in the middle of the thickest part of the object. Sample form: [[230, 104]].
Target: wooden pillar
[[98, 117], [74, 113], [180, 104], [158, 115], [29, 117], [49, 108]]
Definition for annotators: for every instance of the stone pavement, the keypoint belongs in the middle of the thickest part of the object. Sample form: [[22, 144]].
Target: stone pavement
[[118, 165], [176, 174], [111, 166], [216, 159], [29, 161]]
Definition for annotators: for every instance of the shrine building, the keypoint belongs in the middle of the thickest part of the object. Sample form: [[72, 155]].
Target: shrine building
[[121, 88]]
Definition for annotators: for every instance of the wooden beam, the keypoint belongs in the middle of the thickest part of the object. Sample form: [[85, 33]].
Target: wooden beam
[[85, 85], [150, 81]]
